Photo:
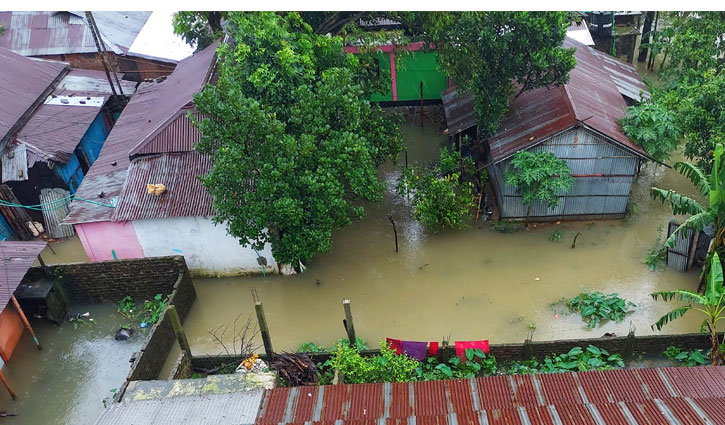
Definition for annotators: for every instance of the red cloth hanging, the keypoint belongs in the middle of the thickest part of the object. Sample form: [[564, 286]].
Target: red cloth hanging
[[433, 349], [395, 344], [462, 346]]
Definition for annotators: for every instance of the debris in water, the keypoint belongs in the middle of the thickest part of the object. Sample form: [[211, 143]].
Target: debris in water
[[296, 369], [421, 267], [556, 316], [86, 314], [123, 334], [537, 279]]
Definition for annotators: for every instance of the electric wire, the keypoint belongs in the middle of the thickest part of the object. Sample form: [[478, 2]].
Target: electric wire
[[47, 206]]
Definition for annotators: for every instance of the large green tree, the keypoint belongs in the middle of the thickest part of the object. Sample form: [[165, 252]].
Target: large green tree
[[497, 55], [294, 140], [199, 29]]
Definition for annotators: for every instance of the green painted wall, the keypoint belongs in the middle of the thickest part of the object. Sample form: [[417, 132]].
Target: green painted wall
[[410, 71]]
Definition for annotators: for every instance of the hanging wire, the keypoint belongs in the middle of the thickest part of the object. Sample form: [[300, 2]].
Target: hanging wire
[[49, 205]]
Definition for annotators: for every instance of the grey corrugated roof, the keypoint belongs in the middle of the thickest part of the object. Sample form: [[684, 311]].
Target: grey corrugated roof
[[15, 260], [238, 408], [54, 215]]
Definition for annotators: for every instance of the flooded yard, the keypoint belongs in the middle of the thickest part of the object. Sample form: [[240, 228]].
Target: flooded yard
[[467, 284], [66, 382]]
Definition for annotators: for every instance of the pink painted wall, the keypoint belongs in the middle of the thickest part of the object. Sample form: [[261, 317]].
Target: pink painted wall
[[101, 238]]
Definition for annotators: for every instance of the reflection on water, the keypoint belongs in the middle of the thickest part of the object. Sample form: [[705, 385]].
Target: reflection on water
[[470, 283], [66, 382]]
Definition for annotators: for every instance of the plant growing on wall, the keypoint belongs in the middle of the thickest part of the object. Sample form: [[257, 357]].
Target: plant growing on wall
[[388, 366], [711, 304], [577, 359], [689, 358], [440, 196], [294, 141], [595, 307], [539, 176]]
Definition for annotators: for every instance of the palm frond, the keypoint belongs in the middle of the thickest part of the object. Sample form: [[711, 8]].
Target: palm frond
[[672, 315], [696, 176], [696, 222], [680, 204], [714, 288], [680, 295]]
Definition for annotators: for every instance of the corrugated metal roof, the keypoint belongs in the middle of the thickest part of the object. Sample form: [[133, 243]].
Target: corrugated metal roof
[[184, 196], [459, 111], [237, 408], [152, 108], [56, 211], [626, 397], [15, 260], [61, 32], [15, 163], [179, 135], [24, 83], [625, 77]]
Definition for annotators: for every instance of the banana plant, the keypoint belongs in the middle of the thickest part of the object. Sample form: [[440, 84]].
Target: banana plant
[[713, 189], [711, 304]]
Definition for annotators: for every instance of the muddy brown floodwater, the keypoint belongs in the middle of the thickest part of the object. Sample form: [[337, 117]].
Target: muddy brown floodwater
[[467, 284]]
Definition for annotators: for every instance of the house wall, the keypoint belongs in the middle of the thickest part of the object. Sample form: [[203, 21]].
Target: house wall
[[603, 176], [412, 69], [6, 232], [101, 239], [208, 249]]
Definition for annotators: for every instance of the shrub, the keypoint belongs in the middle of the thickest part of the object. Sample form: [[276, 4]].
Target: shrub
[[310, 347], [389, 366], [595, 307], [689, 358], [477, 364], [577, 359]]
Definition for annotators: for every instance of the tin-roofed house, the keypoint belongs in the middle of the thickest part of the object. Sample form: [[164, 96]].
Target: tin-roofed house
[[54, 123], [152, 144], [140, 45], [578, 122]]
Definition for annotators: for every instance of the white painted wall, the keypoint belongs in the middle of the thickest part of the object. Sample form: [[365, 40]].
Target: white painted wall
[[208, 249]]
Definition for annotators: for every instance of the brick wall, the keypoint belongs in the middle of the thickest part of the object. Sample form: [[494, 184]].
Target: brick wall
[[182, 368], [110, 281]]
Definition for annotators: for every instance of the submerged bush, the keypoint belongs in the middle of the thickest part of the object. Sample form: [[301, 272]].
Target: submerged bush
[[595, 307]]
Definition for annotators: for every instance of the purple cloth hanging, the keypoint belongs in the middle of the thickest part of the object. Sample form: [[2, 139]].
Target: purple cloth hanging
[[415, 349]]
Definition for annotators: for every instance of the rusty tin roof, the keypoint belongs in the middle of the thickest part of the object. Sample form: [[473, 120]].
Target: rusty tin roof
[[16, 258], [24, 83], [153, 108], [44, 33], [665, 396]]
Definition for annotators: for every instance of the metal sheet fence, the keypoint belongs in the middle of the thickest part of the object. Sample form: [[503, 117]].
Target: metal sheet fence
[[56, 211]]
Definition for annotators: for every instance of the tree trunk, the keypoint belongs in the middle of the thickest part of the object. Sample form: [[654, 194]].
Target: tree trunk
[[715, 349], [646, 37], [528, 212], [215, 21]]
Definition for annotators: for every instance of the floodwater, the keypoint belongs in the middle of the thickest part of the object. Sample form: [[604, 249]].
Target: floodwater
[[464, 284], [66, 382], [63, 251]]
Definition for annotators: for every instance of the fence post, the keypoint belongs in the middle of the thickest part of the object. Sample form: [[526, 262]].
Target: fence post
[[178, 330], [349, 326], [629, 344], [263, 328]]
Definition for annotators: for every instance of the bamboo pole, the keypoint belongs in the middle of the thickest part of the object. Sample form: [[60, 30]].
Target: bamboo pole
[[263, 328], [25, 321], [349, 326], [178, 330], [7, 384]]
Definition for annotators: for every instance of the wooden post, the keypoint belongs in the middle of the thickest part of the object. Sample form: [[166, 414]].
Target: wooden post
[[178, 330], [693, 249], [349, 326], [629, 345], [395, 231], [421, 104], [7, 384], [263, 328], [25, 321]]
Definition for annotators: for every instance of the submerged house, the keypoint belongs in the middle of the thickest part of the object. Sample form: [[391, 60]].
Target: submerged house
[[578, 122], [152, 144], [53, 123], [140, 45]]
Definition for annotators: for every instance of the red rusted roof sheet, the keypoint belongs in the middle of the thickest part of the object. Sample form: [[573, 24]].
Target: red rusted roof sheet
[[151, 109], [24, 83], [184, 196], [16, 257], [590, 98], [585, 398]]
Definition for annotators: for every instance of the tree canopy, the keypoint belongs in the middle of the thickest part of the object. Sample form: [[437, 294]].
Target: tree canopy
[[498, 54], [199, 29], [294, 139]]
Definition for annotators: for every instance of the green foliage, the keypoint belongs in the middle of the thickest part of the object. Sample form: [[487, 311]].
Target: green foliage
[[440, 196], [310, 347], [388, 366], [652, 126], [539, 176], [109, 398], [555, 236], [576, 360], [149, 313], [294, 141], [689, 358], [477, 364], [360, 343], [656, 255], [595, 307], [487, 52], [711, 304], [199, 29], [700, 108]]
